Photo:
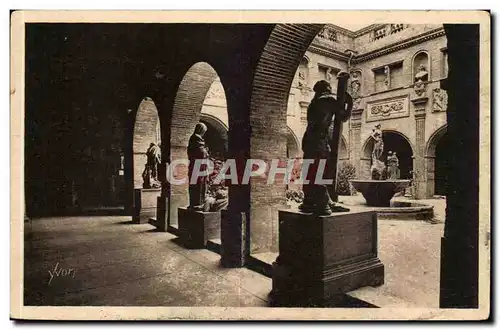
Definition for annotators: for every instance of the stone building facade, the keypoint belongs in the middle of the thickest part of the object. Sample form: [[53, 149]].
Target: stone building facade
[[396, 73]]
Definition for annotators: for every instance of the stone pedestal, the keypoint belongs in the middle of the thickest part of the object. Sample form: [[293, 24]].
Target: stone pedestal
[[145, 204], [197, 227], [233, 239], [321, 258], [160, 220]]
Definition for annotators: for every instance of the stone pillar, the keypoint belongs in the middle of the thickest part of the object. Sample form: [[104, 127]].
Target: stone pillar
[[234, 222], [419, 180], [355, 138]]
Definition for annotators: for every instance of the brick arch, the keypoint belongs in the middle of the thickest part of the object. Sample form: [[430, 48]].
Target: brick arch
[[186, 113], [145, 132], [430, 159], [272, 81]]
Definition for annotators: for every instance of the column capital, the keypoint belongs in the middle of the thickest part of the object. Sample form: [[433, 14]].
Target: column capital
[[420, 115]]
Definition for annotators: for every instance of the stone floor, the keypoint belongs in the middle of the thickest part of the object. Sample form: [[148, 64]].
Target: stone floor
[[116, 263]]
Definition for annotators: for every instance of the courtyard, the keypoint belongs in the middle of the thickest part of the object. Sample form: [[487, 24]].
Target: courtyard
[[117, 263]]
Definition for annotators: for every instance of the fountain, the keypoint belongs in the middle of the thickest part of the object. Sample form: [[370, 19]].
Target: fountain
[[384, 182]]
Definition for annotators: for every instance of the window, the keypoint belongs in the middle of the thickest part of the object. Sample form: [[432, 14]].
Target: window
[[389, 77]]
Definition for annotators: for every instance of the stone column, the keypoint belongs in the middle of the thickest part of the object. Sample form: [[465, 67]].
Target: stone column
[[419, 160], [355, 144]]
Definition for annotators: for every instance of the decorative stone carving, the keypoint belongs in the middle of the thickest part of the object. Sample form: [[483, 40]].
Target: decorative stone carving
[[396, 28], [302, 82], [356, 103], [380, 33], [355, 89], [328, 33], [388, 109], [439, 100]]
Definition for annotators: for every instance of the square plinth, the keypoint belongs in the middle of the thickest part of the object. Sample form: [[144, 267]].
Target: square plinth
[[197, 227], [145, 204], [323, 257]]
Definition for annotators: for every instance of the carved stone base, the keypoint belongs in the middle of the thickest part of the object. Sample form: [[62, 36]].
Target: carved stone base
[[321, 258], [233, 232], [197, 227], [145, 204]]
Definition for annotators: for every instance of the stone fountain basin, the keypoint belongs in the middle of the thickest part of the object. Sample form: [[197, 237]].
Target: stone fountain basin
[[379, 192]]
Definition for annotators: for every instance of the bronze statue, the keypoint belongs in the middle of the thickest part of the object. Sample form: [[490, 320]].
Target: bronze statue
[[150, 173], [197, 150], [317, 143]]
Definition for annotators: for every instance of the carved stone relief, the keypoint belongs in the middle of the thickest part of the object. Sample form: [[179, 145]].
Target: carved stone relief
[[439, 100], [388, 109]]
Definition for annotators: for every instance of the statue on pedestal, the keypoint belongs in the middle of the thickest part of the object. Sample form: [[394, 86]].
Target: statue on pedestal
[[197, 150], [317, 143], [378, 169], [150, 173]]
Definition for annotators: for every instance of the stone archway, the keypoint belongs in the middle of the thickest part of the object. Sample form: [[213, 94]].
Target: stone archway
[[146, 128], [292, 144], [393, 141], [343, 151], [216, 136], [186, 113], [436, 162]]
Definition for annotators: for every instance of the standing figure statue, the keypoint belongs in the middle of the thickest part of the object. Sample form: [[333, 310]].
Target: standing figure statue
[[197, 150], [378, 146], [316, 143], [392, 165], [378, 169], [150, 173]]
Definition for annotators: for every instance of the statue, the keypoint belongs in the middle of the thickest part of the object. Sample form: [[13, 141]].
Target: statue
[[329, 75], [197, 150], [217, 200], [150, 173], [317, 144], [420, 80], [422, 74], [387, 77], [378, 169], [393, 165]]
